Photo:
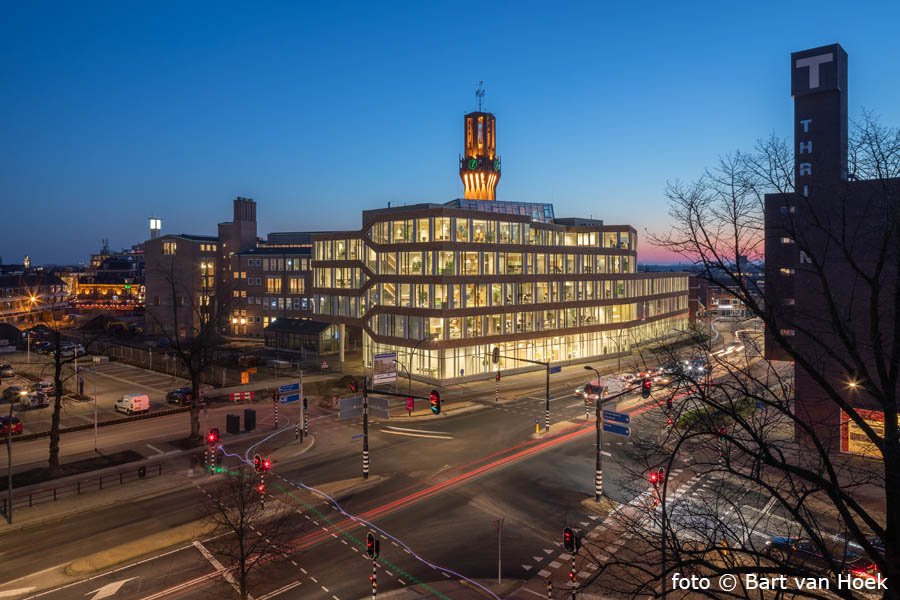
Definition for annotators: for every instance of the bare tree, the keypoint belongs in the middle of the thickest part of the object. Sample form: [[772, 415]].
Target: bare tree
[[742, 426], [246, 534], [194, 332]]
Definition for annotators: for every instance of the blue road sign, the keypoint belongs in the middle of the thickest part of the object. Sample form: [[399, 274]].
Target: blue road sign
[[289, 387], [615, 417], [617, 429], [289, 398], [557, 369], [357, 436]]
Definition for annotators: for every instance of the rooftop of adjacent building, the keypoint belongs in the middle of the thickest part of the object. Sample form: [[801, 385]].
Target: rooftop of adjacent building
[[277, 251]]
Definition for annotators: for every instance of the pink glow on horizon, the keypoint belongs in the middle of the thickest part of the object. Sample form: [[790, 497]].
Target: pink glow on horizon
[[657, 256]]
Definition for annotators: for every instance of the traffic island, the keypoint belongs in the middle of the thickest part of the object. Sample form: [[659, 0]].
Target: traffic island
[[605, 506], [117, 555]]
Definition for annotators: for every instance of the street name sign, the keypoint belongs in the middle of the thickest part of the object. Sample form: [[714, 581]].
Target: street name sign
[[556, 369], [289, 392], [617, 429], [615, 417]]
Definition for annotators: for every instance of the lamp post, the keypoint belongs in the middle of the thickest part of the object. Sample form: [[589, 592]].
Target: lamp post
[[415, 348], [598, 464], [408, 377]]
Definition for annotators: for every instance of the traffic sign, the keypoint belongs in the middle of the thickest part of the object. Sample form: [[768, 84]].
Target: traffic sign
[[615, 417], [289, 387], [289, 398], [358, 436], [617, 429], [556, 369]]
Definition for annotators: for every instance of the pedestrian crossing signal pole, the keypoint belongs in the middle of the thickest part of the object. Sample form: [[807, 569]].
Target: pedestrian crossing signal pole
[[372, 551], [549, 589], [365, 407], [275, 406], [305, 417]]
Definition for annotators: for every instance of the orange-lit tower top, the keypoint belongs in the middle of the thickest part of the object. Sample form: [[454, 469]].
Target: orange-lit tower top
[[479, 167]]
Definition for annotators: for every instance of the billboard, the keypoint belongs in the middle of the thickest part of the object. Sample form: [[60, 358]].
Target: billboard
[[854, 440], [385, 368]]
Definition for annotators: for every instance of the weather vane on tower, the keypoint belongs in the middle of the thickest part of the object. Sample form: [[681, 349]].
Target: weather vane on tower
[[479, 93]]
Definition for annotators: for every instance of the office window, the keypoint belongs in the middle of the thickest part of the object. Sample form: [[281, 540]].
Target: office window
[[295, 285], [169, 248], [788, 332], [786, 271], [273, 285], [787, 240]]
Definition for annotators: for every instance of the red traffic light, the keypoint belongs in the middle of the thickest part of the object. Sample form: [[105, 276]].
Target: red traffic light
[[213, 436], [646, 384], [261, 488], [569, 541], [257, 463], [266, 464], [657, 476], [354, 387], [654, 477], [435, 398], [372, 545], [498, 376]]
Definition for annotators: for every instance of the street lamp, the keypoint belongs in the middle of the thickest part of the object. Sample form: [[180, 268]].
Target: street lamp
[[408, 377], [415, 348], [598, 464]]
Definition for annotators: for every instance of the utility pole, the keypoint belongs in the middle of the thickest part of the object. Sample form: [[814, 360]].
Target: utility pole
[[495, 357], [275, 406]]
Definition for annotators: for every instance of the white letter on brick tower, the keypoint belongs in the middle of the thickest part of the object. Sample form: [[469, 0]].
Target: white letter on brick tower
[[805, 123], [806, 147], [813, 63], [805, 168]]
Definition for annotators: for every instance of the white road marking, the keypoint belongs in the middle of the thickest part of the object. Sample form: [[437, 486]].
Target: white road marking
[[415, 430], [525, 589], [544, 573], [280, 590], [219, 567], [18, 592], [155, 449], [420, 435], [109, 589], [527, 567]]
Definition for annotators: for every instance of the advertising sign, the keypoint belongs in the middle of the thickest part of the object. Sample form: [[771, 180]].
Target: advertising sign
[[385, 368], [854, 440]]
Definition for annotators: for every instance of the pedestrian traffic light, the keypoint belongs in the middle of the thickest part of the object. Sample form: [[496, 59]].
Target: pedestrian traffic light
[[669, 403], [213, 436], [257, 463], [435, 402], [723, 433], [266, 465], [372, 545], [261, 488], [495, 355], [646, 384], [354, 387], [654, 477], [669, 422], [498, 376], [569, 542]]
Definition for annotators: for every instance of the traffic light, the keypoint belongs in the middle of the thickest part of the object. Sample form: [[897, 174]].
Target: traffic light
[[495, 355], [669, 403], [569, 542], [646, 384], [435, 402], [213, 436], [261, 488], [257, 463], [354, 387], [657, 476], [498, 376], [372, 545], [723, 433], [266, 465], [669, 422]]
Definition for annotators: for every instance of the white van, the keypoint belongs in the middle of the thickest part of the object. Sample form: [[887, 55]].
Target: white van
[[133, 403]]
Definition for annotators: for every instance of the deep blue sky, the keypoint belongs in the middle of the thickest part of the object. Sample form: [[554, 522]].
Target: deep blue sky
[[112, 112]]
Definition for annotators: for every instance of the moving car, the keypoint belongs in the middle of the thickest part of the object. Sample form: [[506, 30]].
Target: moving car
[[14, 393], [804, 551], [7, 371], [133, 403], [29, 400], [45, 387], [5, 423]]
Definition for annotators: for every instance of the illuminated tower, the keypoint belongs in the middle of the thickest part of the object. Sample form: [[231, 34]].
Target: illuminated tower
[[479, 167]]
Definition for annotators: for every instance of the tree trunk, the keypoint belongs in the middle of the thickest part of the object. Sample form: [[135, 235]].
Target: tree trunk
[[53, 460], [195, 405]]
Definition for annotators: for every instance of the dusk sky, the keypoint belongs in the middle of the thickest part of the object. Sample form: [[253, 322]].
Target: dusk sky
[[116, 111]]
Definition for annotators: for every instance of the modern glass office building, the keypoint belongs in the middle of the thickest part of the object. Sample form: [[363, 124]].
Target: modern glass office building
[[442, 284]]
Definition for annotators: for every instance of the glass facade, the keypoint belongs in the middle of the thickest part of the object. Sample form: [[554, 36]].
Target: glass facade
[[474, 280]]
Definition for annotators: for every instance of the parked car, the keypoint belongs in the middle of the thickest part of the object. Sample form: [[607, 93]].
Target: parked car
[[45, 387], [6, 423], [43, 347], [7, 371], [70, 350], [133, 403], [182, 396], [14, 393]]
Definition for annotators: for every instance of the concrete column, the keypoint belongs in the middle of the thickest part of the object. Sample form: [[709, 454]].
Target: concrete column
[[342, 331]]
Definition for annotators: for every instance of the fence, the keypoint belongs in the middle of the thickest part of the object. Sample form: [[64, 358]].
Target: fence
[[164, 361], [52, 493]]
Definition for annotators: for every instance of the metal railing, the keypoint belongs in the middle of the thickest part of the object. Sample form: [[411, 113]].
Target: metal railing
[[76, 487]]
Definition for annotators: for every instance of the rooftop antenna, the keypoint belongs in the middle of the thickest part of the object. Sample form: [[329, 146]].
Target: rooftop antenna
[[479, 93]]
